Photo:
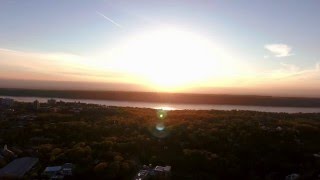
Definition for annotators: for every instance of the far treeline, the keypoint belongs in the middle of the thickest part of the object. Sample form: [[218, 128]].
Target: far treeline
[[168, 97]]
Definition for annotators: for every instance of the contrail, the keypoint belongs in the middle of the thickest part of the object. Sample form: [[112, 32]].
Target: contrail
[[110, 20]]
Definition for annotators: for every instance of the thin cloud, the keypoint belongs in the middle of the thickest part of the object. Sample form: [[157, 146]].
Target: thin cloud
[[318, 66], [109, 19], [294, 72], [7, 50], [279, 50], [51, 66], [290, 67]]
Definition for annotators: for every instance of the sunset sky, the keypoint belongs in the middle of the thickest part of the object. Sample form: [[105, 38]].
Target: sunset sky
[[206, 46]]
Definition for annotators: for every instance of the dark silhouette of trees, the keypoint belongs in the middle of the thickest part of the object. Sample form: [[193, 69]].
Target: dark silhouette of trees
[[113, 143]]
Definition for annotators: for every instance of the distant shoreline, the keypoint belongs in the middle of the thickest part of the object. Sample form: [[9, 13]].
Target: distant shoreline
[[181, 98]]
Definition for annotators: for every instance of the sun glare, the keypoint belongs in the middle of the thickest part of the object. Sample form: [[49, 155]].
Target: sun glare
[[169, 59]]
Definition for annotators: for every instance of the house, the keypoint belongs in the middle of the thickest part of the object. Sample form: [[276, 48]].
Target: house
[[159, 172], [59, 172], [67, 169], [162, 172], [316, 155], [293, 176], [18, 168], [76, 110], [279, 128], [142, 175], [52, 171]]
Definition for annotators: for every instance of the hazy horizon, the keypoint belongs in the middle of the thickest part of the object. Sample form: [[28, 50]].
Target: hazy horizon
[[213, 47], [90, 86]]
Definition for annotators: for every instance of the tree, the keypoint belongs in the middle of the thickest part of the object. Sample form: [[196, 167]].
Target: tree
[[101, 168]]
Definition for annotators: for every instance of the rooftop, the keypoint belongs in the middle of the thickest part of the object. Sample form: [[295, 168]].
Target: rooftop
[[53, 168], [142, 174], [161, 168], [18, 167]]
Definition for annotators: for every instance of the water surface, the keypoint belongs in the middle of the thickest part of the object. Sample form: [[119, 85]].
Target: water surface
[[174, 106]]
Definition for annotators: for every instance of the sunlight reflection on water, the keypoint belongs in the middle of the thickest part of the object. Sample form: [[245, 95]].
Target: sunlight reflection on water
[[166, 108]]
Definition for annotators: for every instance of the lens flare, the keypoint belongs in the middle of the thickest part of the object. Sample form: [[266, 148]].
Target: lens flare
[[160, 130], [160, 127], [161, 114]]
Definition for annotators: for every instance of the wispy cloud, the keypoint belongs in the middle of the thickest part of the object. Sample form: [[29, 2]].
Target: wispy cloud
[[292, 72], [279, 50], [318, 66], [290, 67], [109, 19], [52, 66]]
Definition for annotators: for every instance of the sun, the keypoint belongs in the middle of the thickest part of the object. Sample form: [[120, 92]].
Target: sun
[[169, 59]]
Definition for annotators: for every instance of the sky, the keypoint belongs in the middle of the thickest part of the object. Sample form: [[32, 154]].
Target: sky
[[200, 46]]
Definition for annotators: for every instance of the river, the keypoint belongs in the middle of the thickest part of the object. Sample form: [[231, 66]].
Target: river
[[167, 106]]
